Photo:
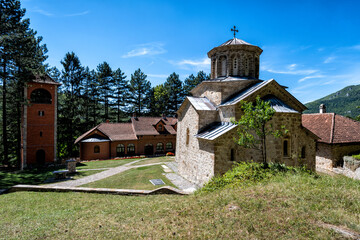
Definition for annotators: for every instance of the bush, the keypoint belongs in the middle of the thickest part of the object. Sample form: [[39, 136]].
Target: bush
[[170, 154], [244, 174]]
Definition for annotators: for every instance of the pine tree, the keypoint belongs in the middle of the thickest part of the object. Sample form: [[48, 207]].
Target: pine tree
[[139, 89], [106, 81], [69, 104], [175, 92], [121, 92], [192, 81], [21, 57]]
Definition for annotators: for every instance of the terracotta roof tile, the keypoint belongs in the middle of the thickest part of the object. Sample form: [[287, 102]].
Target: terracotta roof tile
[[118, 131], [130, 131], [332, 128]]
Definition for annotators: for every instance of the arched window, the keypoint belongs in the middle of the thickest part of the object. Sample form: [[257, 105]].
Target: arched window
[[130, 149], [187, 136], [303, 152], [159, 147], [120, 150], [169, 146], [232, 155], [235, 67], [223, 67], [97, 149], [40, 95], [257, 68], [247, 66]]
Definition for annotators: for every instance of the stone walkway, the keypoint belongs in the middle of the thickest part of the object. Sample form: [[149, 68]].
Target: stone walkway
[[100, 175], [179, 181]]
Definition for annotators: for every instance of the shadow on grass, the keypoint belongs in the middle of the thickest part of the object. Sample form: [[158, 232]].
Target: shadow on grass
[[30, 176]]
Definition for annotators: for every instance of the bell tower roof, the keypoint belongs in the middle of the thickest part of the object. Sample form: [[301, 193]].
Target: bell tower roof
[[235, 41]]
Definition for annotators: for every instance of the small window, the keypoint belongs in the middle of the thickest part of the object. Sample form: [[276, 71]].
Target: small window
[[96, 149], [41, 113], [232, 155], [187, 136], [303, 152], [285, 148], [41, 134], [120, 148], [159, 147], [160, 128], [169, 146]]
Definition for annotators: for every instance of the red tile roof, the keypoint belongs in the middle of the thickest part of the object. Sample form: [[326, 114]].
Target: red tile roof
[[332, 128], [130, 131]]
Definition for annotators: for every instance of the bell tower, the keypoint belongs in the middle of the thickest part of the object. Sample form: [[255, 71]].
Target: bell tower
[[39, 122]]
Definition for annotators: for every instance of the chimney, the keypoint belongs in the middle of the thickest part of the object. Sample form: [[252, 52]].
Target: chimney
[[322, 108]]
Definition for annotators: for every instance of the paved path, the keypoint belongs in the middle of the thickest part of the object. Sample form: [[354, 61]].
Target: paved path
[[100, 175], [179, 181], [174, 177]]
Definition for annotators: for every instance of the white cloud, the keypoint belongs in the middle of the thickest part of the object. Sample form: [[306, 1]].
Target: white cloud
[[329, 59], [42, 12], [291, 69], [157, 75], [310, 77], [77, 14], [196, 63], [356, 47], [146, 49]]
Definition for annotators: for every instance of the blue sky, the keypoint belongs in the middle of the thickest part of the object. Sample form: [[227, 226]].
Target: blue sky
[[313, 47]]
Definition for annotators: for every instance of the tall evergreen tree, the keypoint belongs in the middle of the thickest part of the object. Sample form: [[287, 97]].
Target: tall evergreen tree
[[69, 104], [175, 92], [192, 81], [21, 56], [106, 81], [139, 89], [121, 92]]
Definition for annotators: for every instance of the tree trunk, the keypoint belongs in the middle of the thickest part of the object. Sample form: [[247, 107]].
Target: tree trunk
[[4, 125]]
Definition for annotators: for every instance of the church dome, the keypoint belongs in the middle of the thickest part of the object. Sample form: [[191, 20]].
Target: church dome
[[235, 58], [235, 41]]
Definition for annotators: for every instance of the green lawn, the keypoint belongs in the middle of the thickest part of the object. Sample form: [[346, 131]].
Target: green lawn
[[286, 207], [8, 179], [104, 163], [155, 160], [137, 178]]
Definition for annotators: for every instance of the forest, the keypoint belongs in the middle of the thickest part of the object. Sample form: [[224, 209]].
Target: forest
[[86, 97]]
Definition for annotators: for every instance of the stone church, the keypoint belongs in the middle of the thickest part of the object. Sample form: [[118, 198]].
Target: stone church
[[205, 136]]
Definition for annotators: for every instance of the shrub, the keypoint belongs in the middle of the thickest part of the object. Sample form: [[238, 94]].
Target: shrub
[[170, 154], [245, 173]]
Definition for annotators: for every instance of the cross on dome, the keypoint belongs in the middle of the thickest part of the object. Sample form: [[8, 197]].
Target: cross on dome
[[234, 30]]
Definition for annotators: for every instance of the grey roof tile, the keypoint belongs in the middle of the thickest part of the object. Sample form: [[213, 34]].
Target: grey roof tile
[[201, 104], [215, 130]]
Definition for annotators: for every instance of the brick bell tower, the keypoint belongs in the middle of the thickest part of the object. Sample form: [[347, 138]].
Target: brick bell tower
[[39, 122]]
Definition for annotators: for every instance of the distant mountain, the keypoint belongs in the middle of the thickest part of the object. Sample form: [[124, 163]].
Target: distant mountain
[[343, 102]]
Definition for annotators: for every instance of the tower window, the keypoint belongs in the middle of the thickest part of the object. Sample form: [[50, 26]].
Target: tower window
[[40, 95], [41, 113]]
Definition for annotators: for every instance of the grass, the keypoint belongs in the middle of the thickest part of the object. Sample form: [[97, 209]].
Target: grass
[[154, 160], [35, 176], [137, 178], [104, 163], [287, 206]]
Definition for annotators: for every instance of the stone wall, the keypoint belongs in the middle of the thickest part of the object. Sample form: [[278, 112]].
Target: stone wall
[[298, 138], [329, 156], [195, 157]]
